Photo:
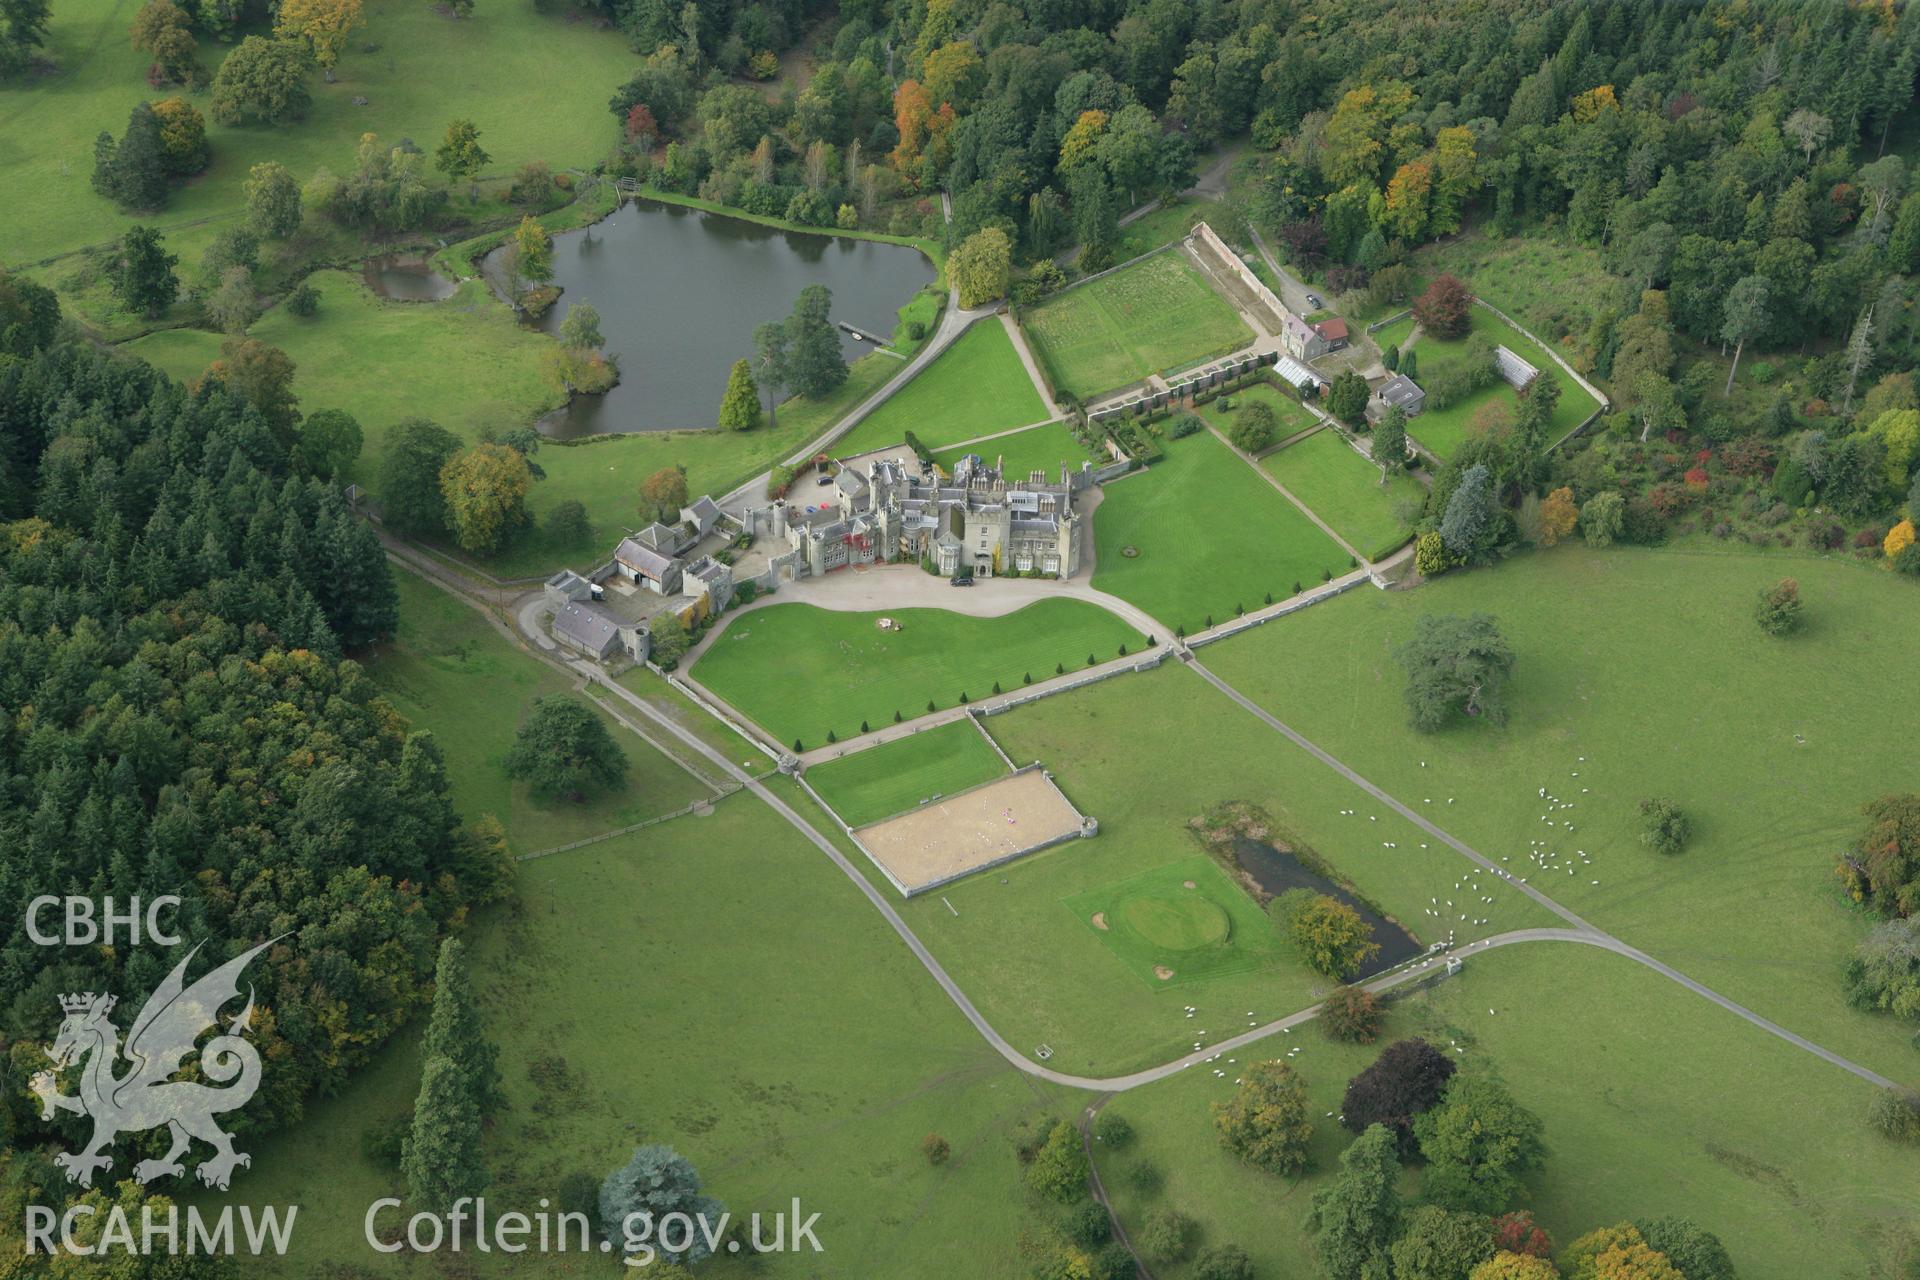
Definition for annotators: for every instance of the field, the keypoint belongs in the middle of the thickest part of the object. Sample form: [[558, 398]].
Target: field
[[1654, 1102], [444, 651], [494, 68], [1154, 315], [1771, 755], [1042, 448], [807, 1058], [1146, 754], [1180, 924], [1211, 534], [977, 386], [882, 781], [1344, 489], [1443, 430], [799, 671], [468, 365]]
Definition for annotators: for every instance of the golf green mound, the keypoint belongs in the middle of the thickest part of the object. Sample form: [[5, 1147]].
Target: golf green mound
[[1184, 922]]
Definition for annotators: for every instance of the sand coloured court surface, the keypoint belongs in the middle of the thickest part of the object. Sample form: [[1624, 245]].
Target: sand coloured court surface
[[972, 829]]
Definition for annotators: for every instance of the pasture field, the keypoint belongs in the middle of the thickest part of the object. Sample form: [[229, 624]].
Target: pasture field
[[425, 69], [809, 1061], [1153, 315], [1344, 489], [469, 365], [444, 650], [1771, 755], [1180, 924], [882, 781], [1654, 1102], [1443, 430], [1145, 754], [1041, 448], [977, 386], [799, 671], [1211, 535]]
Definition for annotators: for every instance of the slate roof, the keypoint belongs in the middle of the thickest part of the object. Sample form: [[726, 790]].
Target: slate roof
[[643, 560], [1399, 391], [588, 626]]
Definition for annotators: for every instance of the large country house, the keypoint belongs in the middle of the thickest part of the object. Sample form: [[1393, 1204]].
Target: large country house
[[977, 522]]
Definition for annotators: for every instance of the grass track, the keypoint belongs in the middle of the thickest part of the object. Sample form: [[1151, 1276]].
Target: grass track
[[1344, 489], [977, 386]]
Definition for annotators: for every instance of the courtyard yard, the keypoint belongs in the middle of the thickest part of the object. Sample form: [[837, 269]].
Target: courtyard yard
[[1154, 315], [799, 672], [977, 386], [1344, 489], [1210, 534], [1043, 448], [882, 781]]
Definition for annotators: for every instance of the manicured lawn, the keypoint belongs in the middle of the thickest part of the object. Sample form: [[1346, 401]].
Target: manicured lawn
[[1344, 489], [714, 984], [1444, 430], [880, 782], [977, 386], [1154, 315], [799, 671], [1043, 447], [468, 365], [446, 652], [1288, 412], [1654, 1102], [1643, 673], [1180, 924], [663, 697], [496, 68], [1211, 535], [1145, 754]]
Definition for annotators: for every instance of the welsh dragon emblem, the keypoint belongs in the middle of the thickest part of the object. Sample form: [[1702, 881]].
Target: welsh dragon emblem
[[147, 1096]]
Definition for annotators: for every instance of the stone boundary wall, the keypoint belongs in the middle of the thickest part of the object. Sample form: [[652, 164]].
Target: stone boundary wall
[[1338, 586], [1153, 658], [1211, 238]]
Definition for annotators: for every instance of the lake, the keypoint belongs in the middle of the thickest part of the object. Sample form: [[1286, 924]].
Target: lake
[[680, 293]]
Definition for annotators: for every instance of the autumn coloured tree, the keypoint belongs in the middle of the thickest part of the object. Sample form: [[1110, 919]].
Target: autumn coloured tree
[[1332, 937], [529, 255], [1351, 1014], [1410, 200], [1443, 309], [1516, 1232], [485, 489], [663, 494], [1778, 611], [323, 24], [1265, 1122], [261, 375], [1507, 1265], [1558, 515], [912, 118]]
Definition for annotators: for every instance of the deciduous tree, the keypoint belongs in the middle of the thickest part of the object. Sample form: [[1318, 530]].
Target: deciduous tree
[[1352, 1014], [323, 24], [410, 495], [813, 363], [1778, 611], [1558, 515], [664, 493], [461, 157], [1390, 443], [980, 266], [1477, 1141], [1357, 1215], [1253, 426], [1444, 309], [1332, 937], [1265, 1122], [1059, 1168], [563, 750], [263, 82], [273, 200], [1408, 1077], [330, 440], [485, 489], [1440, 1244]]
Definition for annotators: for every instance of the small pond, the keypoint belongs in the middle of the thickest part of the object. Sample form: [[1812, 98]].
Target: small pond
[[680, 293], [406, 279], [1276, 872]]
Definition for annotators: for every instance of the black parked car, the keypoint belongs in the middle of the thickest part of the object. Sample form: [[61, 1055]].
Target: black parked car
[[959, 582]]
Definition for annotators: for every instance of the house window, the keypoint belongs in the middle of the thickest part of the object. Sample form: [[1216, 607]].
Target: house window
[[1051, 564], [1023, 562]]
